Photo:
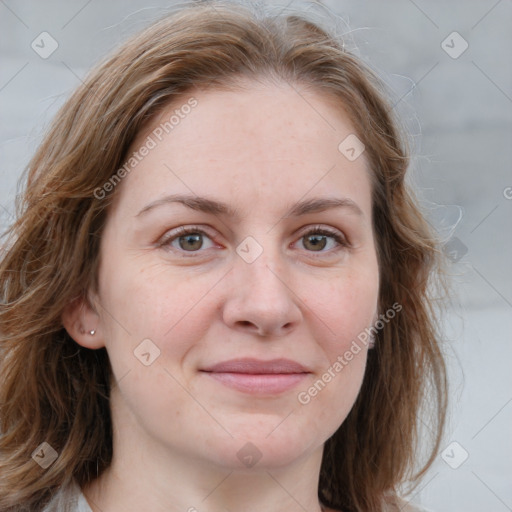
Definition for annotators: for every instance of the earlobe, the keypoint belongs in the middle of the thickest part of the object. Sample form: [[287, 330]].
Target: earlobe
[[82, 323]]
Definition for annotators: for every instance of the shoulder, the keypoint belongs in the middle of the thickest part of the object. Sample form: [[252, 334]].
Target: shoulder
[[68, 498]]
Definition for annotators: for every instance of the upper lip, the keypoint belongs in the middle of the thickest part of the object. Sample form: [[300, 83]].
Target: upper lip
[[257, 366]]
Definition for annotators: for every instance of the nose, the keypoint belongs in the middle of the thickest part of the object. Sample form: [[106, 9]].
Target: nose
[[260, 298]]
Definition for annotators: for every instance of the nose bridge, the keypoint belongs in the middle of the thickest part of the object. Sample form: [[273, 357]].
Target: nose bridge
[[259, 264], [261, 299]]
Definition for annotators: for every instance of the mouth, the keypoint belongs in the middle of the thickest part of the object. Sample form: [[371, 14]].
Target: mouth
[[258, 377]]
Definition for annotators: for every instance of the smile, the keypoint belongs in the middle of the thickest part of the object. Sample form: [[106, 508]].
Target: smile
[[258, 377]]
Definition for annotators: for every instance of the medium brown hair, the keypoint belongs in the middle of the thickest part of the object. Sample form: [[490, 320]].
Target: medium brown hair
[[56, 391]]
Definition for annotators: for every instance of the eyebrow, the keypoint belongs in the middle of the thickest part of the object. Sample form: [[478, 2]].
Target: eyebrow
[[206, 205]]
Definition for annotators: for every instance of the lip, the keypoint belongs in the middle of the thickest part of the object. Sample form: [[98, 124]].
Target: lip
[[257, 366], [256, 376]]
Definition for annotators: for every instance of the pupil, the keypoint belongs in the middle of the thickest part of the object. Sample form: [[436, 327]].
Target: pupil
[[192, 242], [317, 241]]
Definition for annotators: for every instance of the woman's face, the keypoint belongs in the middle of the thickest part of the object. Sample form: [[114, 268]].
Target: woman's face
[[217, 337]]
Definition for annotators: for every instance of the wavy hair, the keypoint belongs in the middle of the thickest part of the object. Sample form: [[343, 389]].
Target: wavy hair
[[53, 390]]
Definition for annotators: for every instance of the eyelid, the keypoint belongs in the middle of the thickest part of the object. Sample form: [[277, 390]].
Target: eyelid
[[169, 236], [320, 228]]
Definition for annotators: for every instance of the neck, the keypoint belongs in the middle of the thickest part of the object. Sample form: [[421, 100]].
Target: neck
[[131, 484], [144, 475]]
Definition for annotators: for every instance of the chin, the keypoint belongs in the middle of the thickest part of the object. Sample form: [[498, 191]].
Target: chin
[[264, 447]]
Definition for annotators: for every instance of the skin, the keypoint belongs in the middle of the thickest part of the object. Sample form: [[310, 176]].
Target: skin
[[177, 431]]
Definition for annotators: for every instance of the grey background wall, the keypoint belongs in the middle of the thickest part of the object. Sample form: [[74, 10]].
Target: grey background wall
[[456, 102]]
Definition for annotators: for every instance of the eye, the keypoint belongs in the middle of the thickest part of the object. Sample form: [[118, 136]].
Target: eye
[[318, 238], [190, 239]]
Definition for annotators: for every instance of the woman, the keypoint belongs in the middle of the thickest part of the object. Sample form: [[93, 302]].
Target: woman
[[216, 296]]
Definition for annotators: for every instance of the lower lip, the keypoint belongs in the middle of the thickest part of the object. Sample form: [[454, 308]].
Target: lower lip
[[262, 384]]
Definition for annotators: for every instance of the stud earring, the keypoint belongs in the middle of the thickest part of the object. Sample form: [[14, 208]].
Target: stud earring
[[92, 333]]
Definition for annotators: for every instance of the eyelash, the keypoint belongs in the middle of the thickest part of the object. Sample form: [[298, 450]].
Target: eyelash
[[167, 239]]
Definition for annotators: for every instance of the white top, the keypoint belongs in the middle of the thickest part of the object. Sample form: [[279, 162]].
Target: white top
[[68, 499]]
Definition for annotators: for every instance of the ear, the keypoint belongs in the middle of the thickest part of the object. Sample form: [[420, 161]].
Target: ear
[[82, 323]]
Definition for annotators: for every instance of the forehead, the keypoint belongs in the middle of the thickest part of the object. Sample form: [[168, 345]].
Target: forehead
[[250, 138], [251, 113]]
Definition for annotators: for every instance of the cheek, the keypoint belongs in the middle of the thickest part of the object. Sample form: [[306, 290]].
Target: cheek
[[347, 306], [343, 310], [136, 293], [150, 303], [141, 306]]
